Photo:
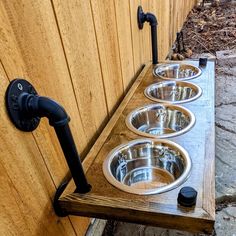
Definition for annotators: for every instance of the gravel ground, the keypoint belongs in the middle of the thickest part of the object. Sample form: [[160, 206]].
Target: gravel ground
[[212, 28]]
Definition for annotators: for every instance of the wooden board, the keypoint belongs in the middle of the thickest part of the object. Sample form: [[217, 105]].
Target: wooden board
[[125, 41], [106, 201], [106, 32], [75, 23]]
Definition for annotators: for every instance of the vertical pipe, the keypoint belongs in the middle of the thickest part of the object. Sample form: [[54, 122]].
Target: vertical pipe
[[72, 157], [151, 18], [154, 44]]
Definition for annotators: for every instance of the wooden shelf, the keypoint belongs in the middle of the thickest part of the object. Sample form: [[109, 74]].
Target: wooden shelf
[[106, 201]]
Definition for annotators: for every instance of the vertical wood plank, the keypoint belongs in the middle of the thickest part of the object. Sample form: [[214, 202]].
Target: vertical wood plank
[[76, 27], [38, 56], [146, 34], [137, 41], [125, 40], [44, 63], [108, 46]]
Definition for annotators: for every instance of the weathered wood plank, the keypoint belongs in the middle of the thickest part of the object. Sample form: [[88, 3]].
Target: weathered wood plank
[[143, 212]]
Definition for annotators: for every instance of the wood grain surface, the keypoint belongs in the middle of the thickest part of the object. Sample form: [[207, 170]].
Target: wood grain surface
[[106, 201], [83, 54]]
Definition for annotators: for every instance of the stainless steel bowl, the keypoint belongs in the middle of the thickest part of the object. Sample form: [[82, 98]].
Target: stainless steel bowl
[[160, 120], [176, 71], [147, 166], [174, 92]]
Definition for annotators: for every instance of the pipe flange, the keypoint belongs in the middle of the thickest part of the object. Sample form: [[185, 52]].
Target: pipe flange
[[16, 88], [141, 17]]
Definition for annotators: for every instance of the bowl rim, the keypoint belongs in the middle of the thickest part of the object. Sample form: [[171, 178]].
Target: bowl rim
[[113, 181], [163, 65], [164, 105], [155, 85]]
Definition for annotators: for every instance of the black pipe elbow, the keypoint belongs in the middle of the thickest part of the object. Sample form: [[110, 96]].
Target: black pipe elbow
[[151, 18], [44, 107]]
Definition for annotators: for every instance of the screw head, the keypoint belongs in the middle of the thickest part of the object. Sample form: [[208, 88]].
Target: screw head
[[19, 86]]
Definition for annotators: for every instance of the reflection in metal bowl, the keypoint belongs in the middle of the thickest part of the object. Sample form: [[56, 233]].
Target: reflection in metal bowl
[[176, 71], [160, 120], [174, 92], [147, 166]]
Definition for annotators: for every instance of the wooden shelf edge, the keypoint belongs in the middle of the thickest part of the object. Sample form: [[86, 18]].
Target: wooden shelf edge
[[209, 172], [90, 205]]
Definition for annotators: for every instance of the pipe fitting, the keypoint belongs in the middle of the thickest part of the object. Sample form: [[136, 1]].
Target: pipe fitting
[[44, 107], [25, 108], [151, 18]]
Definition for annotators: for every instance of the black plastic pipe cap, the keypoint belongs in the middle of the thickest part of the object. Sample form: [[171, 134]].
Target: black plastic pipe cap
[[187, 197], [202, 62]]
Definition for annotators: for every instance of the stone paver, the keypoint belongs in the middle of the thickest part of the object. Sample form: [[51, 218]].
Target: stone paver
[[226, 127], [226, 55], [128, 229], [226, 221]]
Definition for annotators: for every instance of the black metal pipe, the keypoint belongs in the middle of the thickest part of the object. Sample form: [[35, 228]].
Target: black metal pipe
[[72, 157], [151, 18], [154, 45], [35, 105], [38, 106]]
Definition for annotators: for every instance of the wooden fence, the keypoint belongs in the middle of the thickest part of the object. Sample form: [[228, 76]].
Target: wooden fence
[[84, 54]]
